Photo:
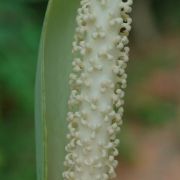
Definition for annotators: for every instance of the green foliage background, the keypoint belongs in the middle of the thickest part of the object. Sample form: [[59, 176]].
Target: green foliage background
[[20, 27]]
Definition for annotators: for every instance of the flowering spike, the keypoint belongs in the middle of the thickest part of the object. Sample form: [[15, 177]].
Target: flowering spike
[[97, 88]]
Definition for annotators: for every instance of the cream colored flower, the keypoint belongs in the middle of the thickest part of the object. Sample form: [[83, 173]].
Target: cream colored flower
[[97, 89]]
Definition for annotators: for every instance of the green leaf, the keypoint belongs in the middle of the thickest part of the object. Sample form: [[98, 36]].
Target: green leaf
[[54, 66]]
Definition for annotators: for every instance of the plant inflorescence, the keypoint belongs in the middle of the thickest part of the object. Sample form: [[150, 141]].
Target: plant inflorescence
[[97, 84]]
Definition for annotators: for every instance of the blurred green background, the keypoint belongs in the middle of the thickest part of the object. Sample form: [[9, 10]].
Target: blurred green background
[[151, 128]]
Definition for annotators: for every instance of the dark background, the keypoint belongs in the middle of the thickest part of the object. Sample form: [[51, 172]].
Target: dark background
[[150, 145]]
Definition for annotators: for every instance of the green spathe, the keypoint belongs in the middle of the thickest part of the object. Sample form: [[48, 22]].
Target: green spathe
[[54, 66]]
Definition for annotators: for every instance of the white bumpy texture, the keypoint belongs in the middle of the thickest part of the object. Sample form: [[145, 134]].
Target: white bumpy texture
[[97, 89]]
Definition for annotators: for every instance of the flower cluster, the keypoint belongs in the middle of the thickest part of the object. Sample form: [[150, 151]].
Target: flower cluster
[[97, 84]]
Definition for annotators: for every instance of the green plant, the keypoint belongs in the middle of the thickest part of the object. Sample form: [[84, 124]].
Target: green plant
[[97, 84]]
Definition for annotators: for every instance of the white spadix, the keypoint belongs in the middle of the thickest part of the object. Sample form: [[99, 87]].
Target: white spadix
[[97, 84]]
